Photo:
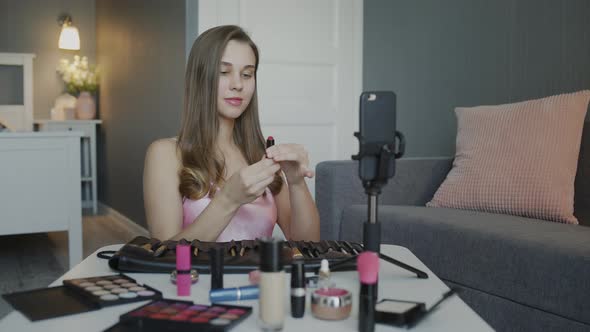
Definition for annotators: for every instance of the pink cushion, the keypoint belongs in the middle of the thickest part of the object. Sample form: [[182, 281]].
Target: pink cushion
[[517, 159]]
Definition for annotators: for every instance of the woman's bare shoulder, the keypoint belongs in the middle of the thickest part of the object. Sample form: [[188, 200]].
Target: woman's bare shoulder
[[163, 150]]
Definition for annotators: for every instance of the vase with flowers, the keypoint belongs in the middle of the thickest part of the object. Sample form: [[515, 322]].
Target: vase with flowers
[[81, 80]]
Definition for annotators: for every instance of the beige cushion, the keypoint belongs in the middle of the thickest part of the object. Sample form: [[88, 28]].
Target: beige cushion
[[517, 159]]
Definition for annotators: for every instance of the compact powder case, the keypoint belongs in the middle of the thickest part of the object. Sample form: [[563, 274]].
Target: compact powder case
[[331, 303]]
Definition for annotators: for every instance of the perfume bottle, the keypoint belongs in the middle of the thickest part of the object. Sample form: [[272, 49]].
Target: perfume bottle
[[324, 280]]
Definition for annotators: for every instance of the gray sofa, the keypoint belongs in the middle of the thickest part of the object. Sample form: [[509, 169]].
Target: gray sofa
[[518, 274]]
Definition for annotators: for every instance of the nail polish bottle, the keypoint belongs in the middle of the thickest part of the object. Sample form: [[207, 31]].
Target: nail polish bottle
[[272, 282]]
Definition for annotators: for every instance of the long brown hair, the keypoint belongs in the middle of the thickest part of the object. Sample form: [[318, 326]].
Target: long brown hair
[[202, 167]]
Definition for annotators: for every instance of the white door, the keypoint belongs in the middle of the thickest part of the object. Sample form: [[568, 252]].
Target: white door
[[310, 72]]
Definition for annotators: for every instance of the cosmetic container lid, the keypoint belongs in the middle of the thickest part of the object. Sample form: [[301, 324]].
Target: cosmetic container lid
[[297, 274], [270, 255]]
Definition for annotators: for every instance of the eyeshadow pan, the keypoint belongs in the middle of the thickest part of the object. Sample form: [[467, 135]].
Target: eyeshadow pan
[[189, 312], [198, 307], [199, 320], [129, 284], [169, 310], [119, 290], [86, 284], [103, 282], [100, 292], [121, 281], [229, 316], [128, 295], [93, 288], [219, 322], [109, 297], [159, 316], [236, 311], [111, 286], [216, 309], [137, 289], [208, 315]]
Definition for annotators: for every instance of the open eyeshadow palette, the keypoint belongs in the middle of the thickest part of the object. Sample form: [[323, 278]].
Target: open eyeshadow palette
[[80, 295], [151, 255], [176, 315]]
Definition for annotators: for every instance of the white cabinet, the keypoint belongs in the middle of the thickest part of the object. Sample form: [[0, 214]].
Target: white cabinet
[[88, 154], [40, 186]]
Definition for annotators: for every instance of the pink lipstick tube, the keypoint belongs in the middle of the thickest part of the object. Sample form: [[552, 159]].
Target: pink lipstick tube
[[183, 270]]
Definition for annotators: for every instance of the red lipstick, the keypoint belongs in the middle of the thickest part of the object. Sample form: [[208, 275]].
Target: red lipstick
[[270, 141]]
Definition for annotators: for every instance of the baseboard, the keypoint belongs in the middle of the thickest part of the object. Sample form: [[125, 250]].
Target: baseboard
[[127, 223]]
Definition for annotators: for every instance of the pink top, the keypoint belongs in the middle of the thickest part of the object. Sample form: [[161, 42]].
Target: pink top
[[251, 221]]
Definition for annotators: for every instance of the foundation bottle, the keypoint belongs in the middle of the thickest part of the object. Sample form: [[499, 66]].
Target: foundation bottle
[[272, 296]]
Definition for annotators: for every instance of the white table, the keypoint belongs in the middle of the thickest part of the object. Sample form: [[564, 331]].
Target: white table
[[452, 315]]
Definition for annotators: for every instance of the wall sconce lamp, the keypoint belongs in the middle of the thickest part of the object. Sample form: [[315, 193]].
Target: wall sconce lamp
[[69, 38]]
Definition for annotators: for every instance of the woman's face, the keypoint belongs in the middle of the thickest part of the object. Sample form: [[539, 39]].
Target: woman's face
[[236, 79]]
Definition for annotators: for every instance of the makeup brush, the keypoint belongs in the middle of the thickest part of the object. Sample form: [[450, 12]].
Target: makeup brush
[[368, 268]]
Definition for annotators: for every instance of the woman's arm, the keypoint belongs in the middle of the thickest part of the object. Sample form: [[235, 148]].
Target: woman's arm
[[298, 215], [163, 202]]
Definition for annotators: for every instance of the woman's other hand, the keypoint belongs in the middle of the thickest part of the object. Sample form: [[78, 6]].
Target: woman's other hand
[[247, 184], [294, 161]]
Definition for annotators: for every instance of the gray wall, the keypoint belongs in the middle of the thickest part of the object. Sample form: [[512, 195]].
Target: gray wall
[[141, 50], [437, 55], [30, 26]]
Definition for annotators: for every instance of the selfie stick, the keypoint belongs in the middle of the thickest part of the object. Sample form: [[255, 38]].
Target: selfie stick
[[385, 152]]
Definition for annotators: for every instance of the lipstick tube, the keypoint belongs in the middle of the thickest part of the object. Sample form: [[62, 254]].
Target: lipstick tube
[[297, 289], [270, 141], [183, 270], [234, 294]]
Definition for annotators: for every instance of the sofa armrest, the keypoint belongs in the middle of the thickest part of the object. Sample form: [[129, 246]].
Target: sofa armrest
[[337, 186]]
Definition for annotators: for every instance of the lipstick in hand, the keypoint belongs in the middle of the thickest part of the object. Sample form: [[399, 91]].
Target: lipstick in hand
[[270, 141], [368, 268]]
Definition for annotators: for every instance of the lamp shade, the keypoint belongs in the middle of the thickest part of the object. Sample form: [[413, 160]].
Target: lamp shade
[[69, 38]]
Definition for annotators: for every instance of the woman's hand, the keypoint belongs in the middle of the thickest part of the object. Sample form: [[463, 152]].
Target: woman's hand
[[247, 184], [294, 161]]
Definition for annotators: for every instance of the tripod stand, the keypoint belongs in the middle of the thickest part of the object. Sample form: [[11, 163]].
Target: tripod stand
[[372, 228]]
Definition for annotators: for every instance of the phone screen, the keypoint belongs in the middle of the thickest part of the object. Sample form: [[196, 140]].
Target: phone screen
[[377, 126]]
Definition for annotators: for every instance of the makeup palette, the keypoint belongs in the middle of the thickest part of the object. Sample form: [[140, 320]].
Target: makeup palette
[[176, 315], [112, 290], [80, 295]]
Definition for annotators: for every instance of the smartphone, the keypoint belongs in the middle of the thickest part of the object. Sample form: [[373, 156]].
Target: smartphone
[[377, 127]]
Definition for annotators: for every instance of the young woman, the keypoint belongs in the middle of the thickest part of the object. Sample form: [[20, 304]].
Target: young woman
[[217, 181]]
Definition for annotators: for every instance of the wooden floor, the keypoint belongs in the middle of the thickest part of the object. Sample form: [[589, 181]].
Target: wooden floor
[[32, 261]]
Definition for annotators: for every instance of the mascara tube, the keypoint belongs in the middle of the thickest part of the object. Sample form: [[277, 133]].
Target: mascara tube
[[297, 289], [216, 260]]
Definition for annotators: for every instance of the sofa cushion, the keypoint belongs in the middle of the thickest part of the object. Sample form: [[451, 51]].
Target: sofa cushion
[[541, 264], [517, 159]]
